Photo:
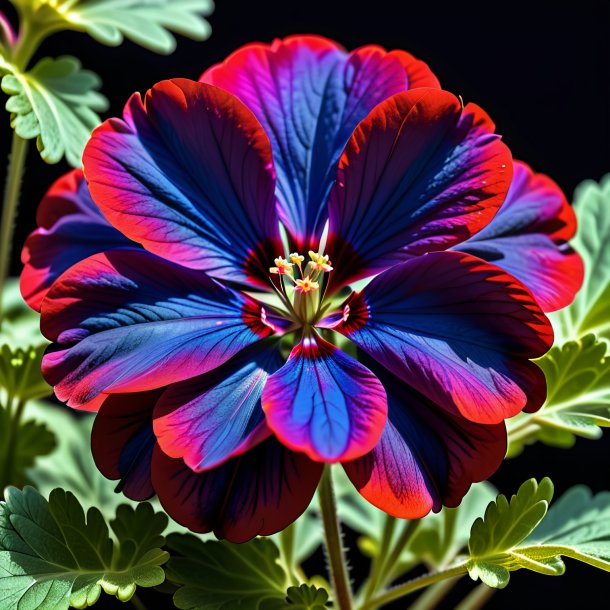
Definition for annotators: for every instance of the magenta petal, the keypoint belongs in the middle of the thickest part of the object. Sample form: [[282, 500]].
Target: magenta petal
[[256, 494], [459, 330], [426, 457], [211, 418], [71, 229], [324, 403], [528, 239], [309, 95], [129, 321], [188, 173], [421, 173]]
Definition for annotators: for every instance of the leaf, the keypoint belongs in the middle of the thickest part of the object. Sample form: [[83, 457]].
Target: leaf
[[20, 376], [590, 311], [222, 576], [55, 102], [20, 447], [53, 556], [495, 537], [145, 22], [306, 597], [578, 400]]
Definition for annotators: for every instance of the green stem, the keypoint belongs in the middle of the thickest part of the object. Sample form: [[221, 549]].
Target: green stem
[[11, 445], [14, 176], [414, 585], [433, 596], [334, 545], [379, 561], [477, 598], [394, 557], [137, 603], [287, 552]]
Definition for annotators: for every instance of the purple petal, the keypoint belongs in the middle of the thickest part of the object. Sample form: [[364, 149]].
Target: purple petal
[[419, 174], [189, 174], [324, 403], [128, 321], [528, 236], [309, 95], [218, 415], [457, 329]]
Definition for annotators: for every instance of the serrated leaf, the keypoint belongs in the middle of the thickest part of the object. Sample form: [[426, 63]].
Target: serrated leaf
[[21, 444], [57, 103], [222, 576], [577, 526], [52, 555], [578, 400], [148, 23], [495, 537], [590, 311], [306, 597]]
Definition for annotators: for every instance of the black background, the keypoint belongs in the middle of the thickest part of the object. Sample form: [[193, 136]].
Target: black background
[[540, 68]]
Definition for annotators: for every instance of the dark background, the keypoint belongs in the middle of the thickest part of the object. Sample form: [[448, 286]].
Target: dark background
[[542, 71]]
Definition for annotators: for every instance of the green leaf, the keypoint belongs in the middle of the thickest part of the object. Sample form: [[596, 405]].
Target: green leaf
[[578, 400], [306, 597], [55, 102], [53, 556], [145, 22], [590, 313], [20, 376], [577, 526], [21, 444], [495, 537], [222, 576]]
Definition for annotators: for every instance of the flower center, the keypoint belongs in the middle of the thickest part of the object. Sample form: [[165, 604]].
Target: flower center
[[301, 286]]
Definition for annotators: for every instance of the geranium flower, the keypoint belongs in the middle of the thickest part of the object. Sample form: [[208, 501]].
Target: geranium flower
[[180, 339]]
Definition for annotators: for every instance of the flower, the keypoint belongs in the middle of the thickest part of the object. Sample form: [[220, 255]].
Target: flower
[[174, 330]]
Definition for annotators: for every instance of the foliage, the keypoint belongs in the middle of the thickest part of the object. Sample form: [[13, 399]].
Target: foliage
[[52, 555], [509, 536], [306, 597], [590, 311], [148, 23], [219, 575], [578, 400], [57, 103]]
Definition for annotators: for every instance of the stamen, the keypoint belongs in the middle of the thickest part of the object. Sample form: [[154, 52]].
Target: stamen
[[320, 262], [283, 267], [306, 285]]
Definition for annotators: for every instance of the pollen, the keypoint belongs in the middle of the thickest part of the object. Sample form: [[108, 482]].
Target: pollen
[[306, 285], [283, 267]]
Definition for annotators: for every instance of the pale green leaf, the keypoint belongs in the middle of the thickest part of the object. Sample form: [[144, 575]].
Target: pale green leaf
[[590, 311], [52, 555], [148, 23], [223, 576], [578, 400], [57, 103], [20, 376], [306, 597]]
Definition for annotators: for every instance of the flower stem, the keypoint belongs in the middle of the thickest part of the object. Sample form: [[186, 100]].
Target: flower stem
[[14, 176], [334, 545], [477, 598], [433, 596], [414, 585], [379, 561], [389, 574]]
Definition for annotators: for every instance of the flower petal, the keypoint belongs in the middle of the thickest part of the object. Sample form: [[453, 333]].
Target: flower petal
[[528, 236], [188, 173], [218, 415], [256, 494], [426, 457], [129, 321], [459, 330], [71, 229], [419, 174], [122, 442], [309, 95], [324, 403]]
